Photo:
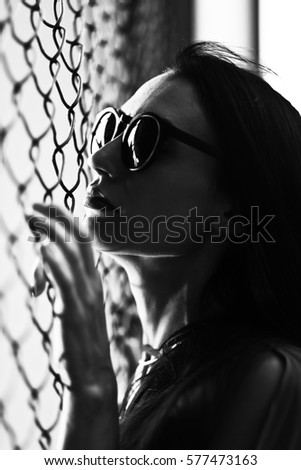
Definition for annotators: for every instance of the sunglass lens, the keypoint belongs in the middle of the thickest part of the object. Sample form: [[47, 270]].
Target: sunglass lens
[[140, 142], [104, 130]]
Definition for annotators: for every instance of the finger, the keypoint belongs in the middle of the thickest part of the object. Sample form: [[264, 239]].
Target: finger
[[39, 279], [78, 232], [76, 290], [82, 282], [34, 225], [63, 239], [61, 274]]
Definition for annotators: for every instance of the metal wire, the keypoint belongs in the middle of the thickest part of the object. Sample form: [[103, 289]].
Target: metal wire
[[60, 62]]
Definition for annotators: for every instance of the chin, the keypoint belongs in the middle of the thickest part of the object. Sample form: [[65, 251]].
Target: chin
[[112, 239], [146, 250]]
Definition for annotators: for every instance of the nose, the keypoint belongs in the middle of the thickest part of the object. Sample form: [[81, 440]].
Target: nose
[[108, 160]]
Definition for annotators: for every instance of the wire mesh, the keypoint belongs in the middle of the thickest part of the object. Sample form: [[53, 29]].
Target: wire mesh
[[61, 61]]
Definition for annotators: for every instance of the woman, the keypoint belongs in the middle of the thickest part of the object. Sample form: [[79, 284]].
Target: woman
[[204, 165]]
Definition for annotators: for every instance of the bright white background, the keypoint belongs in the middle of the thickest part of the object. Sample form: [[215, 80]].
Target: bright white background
[[230, 22]]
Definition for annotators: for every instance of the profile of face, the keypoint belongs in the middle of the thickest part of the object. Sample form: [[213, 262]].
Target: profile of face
[[157, 205]]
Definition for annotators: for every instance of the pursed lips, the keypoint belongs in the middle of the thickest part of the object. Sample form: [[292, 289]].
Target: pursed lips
[[96, 200]]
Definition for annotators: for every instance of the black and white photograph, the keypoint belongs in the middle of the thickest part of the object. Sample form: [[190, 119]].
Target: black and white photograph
[[150, 231]]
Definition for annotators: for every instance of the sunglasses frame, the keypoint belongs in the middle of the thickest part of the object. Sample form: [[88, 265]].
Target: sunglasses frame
[[165, 128]]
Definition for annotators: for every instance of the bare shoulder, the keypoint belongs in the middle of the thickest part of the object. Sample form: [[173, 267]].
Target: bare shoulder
[[276, 369], [281, 362], [264, 373], [263, 411]]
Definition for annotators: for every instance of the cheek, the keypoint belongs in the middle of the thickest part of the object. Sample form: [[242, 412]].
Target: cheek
[[180, 196], [200, 189], [173, 193]]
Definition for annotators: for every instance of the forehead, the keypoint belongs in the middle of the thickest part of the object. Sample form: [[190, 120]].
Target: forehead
[[172, 98]]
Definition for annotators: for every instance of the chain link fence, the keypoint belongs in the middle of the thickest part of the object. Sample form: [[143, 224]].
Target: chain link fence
[[61, 62]]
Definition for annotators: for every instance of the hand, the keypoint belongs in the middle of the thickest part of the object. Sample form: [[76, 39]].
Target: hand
[[70, 259]]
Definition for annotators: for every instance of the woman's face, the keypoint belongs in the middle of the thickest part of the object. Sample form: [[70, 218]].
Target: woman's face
[[157, 205]]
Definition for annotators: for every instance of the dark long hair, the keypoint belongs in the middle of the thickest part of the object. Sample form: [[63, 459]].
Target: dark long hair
[[259, 283], [260, 135]]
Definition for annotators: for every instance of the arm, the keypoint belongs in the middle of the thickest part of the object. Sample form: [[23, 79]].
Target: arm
[[93, 419]]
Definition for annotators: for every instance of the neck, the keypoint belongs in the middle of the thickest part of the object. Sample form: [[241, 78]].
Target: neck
[[169, 291]]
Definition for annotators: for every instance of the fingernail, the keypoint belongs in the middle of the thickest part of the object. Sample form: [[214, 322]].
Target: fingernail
[[33, 291]]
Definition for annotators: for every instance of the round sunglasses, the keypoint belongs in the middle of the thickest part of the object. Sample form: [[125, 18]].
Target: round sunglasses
[[142, 136]]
